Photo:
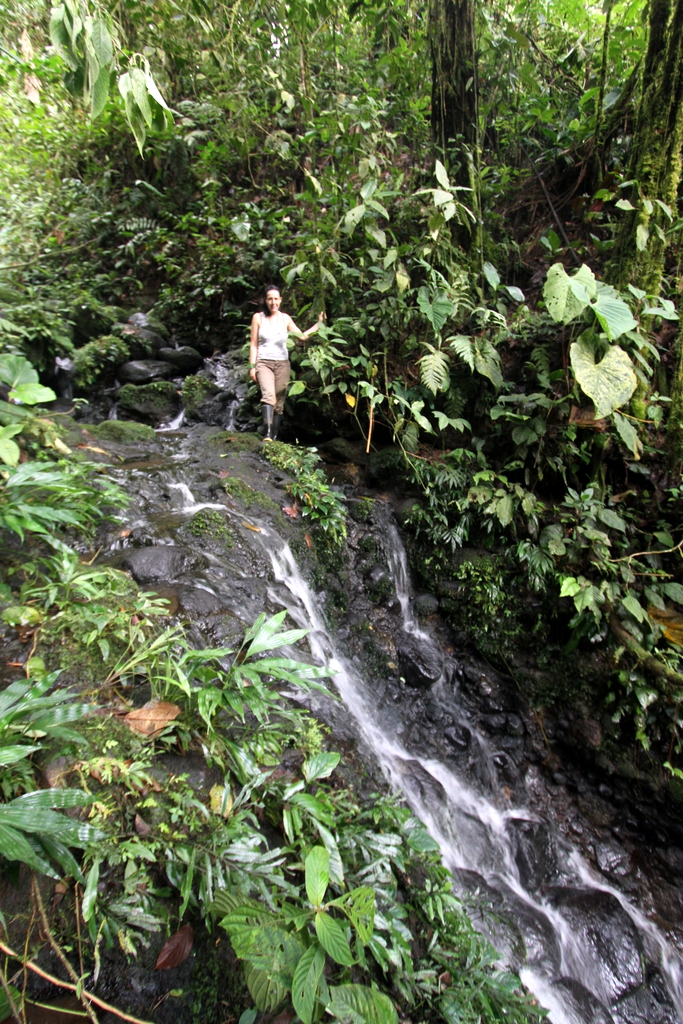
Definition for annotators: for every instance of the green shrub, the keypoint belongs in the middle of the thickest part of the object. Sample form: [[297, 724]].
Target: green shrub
[[97, 362]]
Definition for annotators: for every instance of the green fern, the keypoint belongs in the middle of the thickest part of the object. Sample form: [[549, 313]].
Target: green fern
[[463, 346], [434, 370]]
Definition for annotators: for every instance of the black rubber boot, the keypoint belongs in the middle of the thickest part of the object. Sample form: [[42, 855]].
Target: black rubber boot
[[267, 421], [277, 416]]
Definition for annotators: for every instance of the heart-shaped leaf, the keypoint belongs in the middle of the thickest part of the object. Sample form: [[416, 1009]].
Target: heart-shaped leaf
[[609, 383]]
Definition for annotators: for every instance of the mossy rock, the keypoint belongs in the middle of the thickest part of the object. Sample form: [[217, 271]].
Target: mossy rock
[[122, 432], [236, 443], [153, 402], [196, 389], [96, 362], [237, 488], [209, 522]]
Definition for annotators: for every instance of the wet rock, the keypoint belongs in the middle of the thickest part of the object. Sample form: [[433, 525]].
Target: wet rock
[[534, 849], [541, 945], [198, 603], [612, 859], [199, 775], [588, 732], [515, 725], [185, 358], [425, 605], [607, 950], [458, 736], [494, 723], [144, 371], [377, 574], [674, 858], [650, 1004], [153, 403], [578, 1004], [156, 564], [421, 664]]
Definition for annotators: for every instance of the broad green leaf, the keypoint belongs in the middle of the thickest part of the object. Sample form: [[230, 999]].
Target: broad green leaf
[[332, 938], [266, 992], [321, 766], [359, 907], [628, 434], [9, 452], [317, 874], [609, 383], [375, 232], [402, 279], [570, 587], [441, 198], [90, 894], [674, 591], [100, 40], [100, 92], [438, 311], [612, 312], [642, 236], [353, 218], [567, 297], [352, 1004], [505, 509], [632, 605], [31, 394], [442, 175], [15, 370], [330, 844], [610, 518], [492, 275], [296, 388], [306, 981]]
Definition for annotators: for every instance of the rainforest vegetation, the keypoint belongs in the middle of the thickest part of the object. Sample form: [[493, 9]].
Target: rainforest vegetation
[[483, 199]]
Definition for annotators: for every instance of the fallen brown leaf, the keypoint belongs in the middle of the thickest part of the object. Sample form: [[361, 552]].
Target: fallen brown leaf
[[176, 949], [291, 511], [671, 622], [141, 826], [309, 542], [125, 533], [92, 448], [256, 529], [223, 473], [585, 417], [152, 718]]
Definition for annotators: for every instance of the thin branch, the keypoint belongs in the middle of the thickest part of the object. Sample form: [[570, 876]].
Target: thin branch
[[19, 1018], [647, 660], [72, 988], [556, 218], [35, 891]]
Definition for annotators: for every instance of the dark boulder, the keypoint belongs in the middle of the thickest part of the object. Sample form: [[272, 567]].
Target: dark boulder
[[152, 403], [158, 563], [421, 663], [607, 951], [534, 849], [425, 605], [185, 358], [144, 371]]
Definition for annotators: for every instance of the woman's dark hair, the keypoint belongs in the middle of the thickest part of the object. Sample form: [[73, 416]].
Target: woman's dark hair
[[269, 288]]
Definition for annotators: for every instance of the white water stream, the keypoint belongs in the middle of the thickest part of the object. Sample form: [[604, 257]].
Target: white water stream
[[469, 827], [463, 811]]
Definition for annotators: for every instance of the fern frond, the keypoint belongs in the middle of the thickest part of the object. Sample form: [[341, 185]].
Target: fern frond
[[434, 370], [463, 347], [487, 361]]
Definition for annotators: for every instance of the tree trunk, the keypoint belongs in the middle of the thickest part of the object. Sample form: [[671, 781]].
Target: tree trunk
[[655, 164], [454, 75]]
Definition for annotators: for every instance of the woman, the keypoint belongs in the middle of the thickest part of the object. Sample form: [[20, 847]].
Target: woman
[[269, 358]]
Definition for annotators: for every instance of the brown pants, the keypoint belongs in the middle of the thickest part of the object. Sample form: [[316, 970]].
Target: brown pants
[[273, 378]]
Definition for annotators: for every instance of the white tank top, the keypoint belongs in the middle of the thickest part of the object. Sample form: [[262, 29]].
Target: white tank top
[[272, 337]]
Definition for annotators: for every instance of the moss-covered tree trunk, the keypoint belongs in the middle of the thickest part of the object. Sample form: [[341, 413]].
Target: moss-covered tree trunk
[[655, 163], [655, 169], [454, 77]]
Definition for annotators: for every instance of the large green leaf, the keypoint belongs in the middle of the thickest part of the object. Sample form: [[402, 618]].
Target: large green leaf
[[306, 982], [353, 218], [266, 992], [566, 297], [15, 370], [612, 312], [317, 874], [359, 907], [436, 311], [609, 383], [320, 766], [353, 1003], [332, 938]]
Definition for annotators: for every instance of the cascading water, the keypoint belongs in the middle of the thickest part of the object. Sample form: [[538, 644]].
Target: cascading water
[[574, 969]]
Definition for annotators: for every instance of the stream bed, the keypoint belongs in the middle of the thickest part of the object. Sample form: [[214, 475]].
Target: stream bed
[[573, 902]]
